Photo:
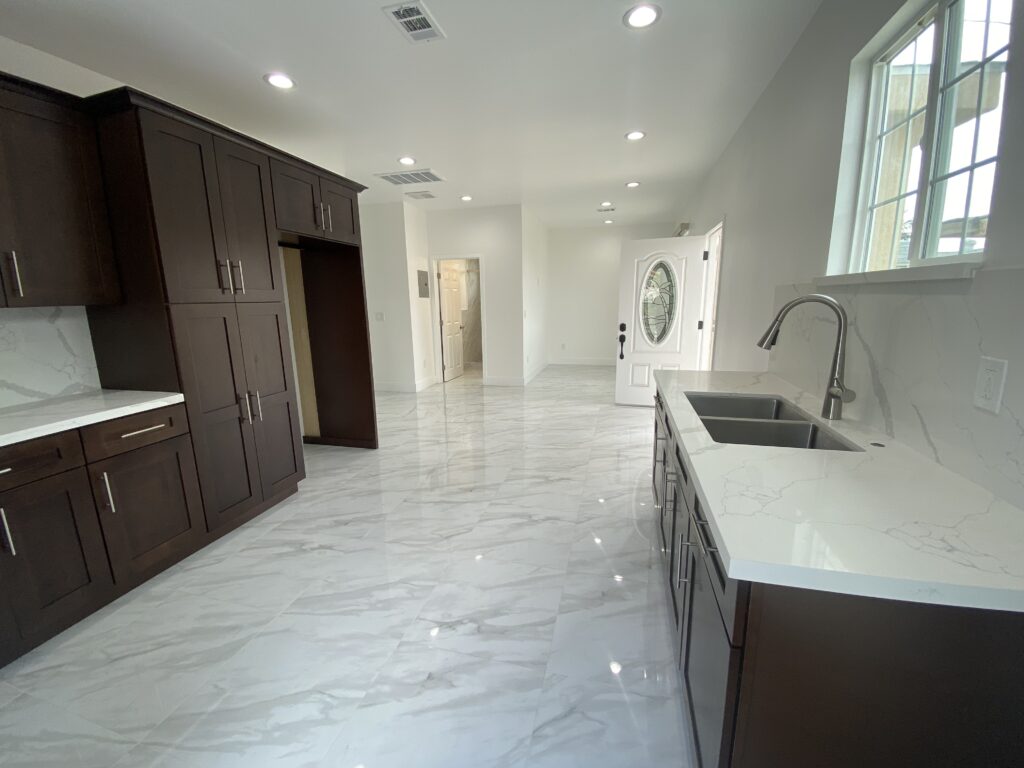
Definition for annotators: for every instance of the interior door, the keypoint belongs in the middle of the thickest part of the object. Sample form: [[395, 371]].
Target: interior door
[[297, 203], [186, 198], [219, 411], [271, 389], [660, 283], [52, 560], [54, 233], [451, 321], [248, 203]]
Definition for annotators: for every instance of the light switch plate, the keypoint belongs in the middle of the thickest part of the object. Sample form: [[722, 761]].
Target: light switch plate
[[988, 390]]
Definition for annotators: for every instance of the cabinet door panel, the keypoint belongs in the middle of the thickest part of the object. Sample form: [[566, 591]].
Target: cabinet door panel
[[187, 209], [58, 571], [296, 199], [711, 670], [213, 379], [54, 231], [150, 508], [342, 216], [248, 203], [268, 371]]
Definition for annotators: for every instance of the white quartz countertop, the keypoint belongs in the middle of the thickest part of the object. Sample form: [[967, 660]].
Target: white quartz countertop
[[48, 417], [886, 522]]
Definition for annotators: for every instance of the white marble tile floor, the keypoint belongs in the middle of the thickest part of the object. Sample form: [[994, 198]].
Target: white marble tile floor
[[482, 591]]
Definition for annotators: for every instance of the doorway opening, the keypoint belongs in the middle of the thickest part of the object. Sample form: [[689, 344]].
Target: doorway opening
[[460, 318]]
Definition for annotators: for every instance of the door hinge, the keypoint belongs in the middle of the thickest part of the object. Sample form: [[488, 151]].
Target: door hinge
[[700, 325], [705, 255]]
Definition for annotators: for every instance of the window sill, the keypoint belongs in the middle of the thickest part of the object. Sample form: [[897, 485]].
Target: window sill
[[961, 269]]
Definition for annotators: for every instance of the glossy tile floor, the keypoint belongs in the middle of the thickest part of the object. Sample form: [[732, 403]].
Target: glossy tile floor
[[481, 591]]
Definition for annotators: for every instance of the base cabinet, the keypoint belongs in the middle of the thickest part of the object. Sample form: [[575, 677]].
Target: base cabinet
[[149, 507], [53, 564]]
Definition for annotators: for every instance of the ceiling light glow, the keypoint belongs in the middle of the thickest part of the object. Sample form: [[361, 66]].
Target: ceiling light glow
[[466, 198], [406, 160], [608, 221], [635, 135], [632, 184], [279, 80], [642, 15], [615, 667], [606, 204]]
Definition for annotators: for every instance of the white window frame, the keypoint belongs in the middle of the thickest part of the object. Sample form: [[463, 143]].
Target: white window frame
[[925, 225]]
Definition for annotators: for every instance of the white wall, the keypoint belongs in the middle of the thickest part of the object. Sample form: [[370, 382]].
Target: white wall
[[583, 290], [914, 348], [535, 287], [386, 269], [418, 258], [495, 235]]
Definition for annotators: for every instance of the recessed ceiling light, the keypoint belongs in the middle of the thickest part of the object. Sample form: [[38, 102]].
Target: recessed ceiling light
[[635, 135], [466, 198], [606, 204], [608, 221], [615, 667], [407, 160], [632, 184], [279, 80], [642, 15]]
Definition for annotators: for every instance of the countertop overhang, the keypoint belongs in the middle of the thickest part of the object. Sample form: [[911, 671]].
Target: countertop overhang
[[48, 417], [884, 522]]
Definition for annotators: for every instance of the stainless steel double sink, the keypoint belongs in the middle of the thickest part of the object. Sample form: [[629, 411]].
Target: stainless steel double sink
[[764, 420]]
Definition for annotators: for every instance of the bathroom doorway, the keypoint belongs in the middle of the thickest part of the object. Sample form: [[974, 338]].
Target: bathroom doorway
[[459, 305]]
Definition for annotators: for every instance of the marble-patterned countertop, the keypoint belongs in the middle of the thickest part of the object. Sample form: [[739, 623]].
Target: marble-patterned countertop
[[48, 417], [884, 522]]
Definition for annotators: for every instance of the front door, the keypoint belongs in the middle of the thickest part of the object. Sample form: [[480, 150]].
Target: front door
[[660, 284], [451, 321]]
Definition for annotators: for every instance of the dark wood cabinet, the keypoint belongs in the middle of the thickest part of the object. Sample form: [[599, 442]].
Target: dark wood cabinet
[[186, 201], [297, 199], [22, 463], [219, 409], [342, 217], [248, 203], [149, 507], [54, 232], [53, 562], [271, 389]]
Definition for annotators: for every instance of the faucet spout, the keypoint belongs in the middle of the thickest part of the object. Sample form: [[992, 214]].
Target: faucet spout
[[836, 392]]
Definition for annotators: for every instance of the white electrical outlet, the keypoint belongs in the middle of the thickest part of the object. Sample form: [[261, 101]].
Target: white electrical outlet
[[988, 390]]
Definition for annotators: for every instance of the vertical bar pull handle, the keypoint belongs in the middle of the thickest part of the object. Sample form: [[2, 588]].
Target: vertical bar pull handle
[[110, 493], [231, 280], [259, 405], [248, 408], [241, 276], [8, 539], [323, 220], [17, 274], [330, 219]]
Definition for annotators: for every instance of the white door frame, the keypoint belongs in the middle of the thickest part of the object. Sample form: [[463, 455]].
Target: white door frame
[[710, 294], [435, 313]]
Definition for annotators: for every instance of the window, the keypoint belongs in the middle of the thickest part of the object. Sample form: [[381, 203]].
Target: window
[[933, 138]]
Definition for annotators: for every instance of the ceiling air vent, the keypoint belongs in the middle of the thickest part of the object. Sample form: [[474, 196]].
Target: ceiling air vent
[[422, 176], [423, 194], [415, 21], [606, 209]]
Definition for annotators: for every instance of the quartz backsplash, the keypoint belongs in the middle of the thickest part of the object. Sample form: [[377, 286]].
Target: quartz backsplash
[[912, 357], [45, 352]]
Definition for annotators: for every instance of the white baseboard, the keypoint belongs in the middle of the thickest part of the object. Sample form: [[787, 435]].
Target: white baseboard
[[426, 381], [603, 361], [392, 386], [499, 381]]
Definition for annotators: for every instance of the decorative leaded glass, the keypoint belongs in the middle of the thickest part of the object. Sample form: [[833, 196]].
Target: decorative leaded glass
[[658, 302]]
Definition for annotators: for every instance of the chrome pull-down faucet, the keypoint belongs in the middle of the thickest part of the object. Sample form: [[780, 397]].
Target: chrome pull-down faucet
[[836, 393]]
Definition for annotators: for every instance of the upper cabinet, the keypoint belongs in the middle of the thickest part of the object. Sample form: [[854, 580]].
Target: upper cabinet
[[313, 205], [55, 244]]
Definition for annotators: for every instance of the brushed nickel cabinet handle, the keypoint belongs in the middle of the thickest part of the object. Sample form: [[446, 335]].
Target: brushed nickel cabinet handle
[[17, 275], [110, 493], [330, 219], [231, 278], [323, 220], [5, 470], [700, 539], [241, 277], [7, 533], [142, 431], [248, 408], [259, 405]]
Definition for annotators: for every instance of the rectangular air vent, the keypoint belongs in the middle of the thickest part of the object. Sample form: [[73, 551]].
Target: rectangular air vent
[[421, 176], [422, 194], [415, 21]]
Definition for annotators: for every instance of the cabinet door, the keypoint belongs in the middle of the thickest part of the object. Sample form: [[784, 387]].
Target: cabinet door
[[296, 199], [341, 214], [54, 232], [268, 372], [711, 670], [248, 203], [213, 379], [150, 508], [53, 562], [187, 209]]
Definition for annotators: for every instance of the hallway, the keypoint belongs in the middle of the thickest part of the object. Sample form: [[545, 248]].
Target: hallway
[[488, 594]]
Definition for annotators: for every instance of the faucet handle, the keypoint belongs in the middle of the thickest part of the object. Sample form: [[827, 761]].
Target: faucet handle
[[845, 394]]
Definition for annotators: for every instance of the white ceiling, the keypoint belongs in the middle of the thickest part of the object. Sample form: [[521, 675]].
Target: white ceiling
[[525, 101]]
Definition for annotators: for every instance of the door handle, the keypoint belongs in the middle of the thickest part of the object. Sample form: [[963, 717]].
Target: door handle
[[622, 346], [248, 408], [259, 405], [241, 276], [110, 494], [323, 219], [231, 279], [330, 219], [17, 274], [8, 539]]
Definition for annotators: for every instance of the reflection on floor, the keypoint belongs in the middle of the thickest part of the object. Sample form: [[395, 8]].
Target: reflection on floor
[[481, 591]]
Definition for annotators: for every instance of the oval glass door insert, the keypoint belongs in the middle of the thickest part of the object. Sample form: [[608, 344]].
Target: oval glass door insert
[[658, 302]]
